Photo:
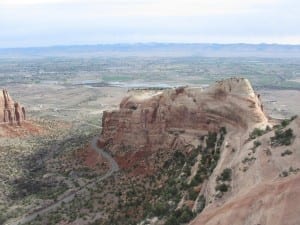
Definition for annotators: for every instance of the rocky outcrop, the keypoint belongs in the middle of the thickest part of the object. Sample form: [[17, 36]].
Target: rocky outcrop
[[173, 117], [264, 188], [11, 112], [274, 202]]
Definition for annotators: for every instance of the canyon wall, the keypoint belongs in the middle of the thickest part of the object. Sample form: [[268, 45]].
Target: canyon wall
[[264, 186], [173, 117]]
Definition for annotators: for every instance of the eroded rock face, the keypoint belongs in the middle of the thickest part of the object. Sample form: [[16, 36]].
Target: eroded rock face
[[267, 203], [10, 111], [259, 192], [264, 187], [172, 118]]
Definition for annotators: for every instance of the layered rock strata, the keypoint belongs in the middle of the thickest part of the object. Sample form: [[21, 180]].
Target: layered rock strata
[[264, 185], [171, 118]]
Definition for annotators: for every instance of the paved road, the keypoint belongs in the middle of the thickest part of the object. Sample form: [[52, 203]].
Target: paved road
[[69, 197]]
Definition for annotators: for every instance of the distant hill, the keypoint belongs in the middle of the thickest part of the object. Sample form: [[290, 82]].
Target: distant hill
[[157, 49]]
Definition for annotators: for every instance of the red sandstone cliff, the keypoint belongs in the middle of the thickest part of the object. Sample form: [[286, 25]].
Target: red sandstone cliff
[[11, 112], [175, 119], [172, 118]]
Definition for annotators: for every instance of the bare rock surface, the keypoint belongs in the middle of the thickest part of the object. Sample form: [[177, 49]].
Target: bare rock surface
[[175, 117], [10, 111], [275, 203], [264, 187]]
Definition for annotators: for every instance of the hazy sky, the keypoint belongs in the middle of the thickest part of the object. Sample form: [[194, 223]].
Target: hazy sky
[[62, 22]]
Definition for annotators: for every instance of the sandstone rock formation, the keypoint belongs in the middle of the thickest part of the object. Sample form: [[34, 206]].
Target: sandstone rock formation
[[264, 188], [11, 112], [274, 203], [172, 118], [265, 184]]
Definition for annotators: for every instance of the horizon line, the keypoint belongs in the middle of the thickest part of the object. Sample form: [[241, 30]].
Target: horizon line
[[148, 43]]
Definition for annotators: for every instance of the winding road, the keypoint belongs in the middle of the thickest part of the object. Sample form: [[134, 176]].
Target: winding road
[[113, 167]]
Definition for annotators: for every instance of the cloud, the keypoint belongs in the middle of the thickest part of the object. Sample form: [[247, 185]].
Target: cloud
[[32, 2], [150, 7], [48, 22]]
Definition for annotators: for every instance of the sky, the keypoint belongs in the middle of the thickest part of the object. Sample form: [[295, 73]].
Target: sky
[[26, 23]]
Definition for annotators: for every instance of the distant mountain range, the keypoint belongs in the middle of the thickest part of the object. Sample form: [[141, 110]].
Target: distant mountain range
[[157, 49]]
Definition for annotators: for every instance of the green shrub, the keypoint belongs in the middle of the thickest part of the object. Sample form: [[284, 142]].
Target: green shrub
[[293, 117], [256, 144], [185, 215], [196, 179], [225, 175], [247, 159], [192, 194], [282, 137], [285, 122], [222, 187], [211, 140], [284, 173], [256, 133], [160, 209], [200, 204], [172, 220], [3, 218], [286, 152], [223, 130]]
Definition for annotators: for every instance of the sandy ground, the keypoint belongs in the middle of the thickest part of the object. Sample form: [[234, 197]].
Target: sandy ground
[[68, 103]]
